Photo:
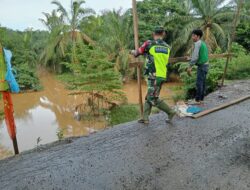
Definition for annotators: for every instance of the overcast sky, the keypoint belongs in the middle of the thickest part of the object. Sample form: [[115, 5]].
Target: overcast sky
[[21, 14]]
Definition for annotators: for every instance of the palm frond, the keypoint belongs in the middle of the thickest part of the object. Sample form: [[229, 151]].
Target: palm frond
[[197, 7], [176, 17], [183, 39], [220, 35], [61, 9]]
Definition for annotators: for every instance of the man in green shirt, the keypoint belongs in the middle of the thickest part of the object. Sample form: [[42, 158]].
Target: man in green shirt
[[157, 53], [200, 59]]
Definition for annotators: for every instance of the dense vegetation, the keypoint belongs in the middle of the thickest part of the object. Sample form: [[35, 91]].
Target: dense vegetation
[[90, 51], [26, 47]]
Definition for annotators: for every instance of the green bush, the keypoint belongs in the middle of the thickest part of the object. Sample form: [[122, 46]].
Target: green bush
[[239, 66], [243, 34], [123, 114], [93, 73], [27, 78], [26, 47]]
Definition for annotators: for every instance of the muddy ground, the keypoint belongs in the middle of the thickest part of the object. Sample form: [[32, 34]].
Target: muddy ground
[[210, 153]]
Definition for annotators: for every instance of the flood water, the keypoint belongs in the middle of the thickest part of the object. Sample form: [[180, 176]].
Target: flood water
[[41, 115]]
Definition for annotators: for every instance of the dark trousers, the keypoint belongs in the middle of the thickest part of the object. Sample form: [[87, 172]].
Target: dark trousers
[[201, 82]]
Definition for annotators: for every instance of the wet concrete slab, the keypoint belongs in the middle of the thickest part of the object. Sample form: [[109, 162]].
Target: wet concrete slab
[[210, 153]]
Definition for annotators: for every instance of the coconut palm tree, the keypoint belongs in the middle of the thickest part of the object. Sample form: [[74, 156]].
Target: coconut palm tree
[[64, 31], [52, 21], [116, 31], [91, 26], [74, 16], [73, 19], [56, 43], [208, 15]]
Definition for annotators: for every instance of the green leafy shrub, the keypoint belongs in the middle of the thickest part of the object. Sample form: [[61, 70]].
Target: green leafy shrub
[[123, 114], [92, 72], [243, 34], [27, 78], [93, 76], [239, 66], [25, 47]]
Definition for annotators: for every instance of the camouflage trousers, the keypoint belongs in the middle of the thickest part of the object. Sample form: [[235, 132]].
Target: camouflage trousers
[[152, 97]]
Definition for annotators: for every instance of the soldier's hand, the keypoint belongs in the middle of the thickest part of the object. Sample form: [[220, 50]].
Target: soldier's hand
[[133, 52]]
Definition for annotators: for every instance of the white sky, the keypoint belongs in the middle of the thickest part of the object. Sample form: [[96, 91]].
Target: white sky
[[21, 14]]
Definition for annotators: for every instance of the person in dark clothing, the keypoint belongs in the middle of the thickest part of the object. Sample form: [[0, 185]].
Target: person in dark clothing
[[200, 59]]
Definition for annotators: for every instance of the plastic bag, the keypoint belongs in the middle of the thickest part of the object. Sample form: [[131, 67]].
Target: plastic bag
[[10, 78]]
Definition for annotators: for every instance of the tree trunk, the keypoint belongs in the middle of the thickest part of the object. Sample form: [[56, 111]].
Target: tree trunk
[[236, 19], [136, 37]]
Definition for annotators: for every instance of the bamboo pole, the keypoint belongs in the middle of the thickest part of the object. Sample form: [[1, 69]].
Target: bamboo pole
[[184, 59], [136, 38], [201, 114], [236, 19]]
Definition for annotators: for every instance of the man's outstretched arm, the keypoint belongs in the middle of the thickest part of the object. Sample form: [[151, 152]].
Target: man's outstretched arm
[[141, 50]]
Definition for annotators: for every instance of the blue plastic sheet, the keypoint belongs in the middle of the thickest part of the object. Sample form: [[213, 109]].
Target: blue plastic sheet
[[10, 78], [194, 109]]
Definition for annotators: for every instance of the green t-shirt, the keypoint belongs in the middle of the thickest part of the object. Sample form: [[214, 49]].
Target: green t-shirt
[[200, 53], [203, 54]]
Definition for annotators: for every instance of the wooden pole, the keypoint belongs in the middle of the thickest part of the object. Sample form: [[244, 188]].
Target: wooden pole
[[237, 14], [9, 119], [15, 145], [136, 38], [225, 71], [206, 112], [175, 60]]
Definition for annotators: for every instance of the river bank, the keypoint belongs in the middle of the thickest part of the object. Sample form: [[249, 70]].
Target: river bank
[[48, 115]]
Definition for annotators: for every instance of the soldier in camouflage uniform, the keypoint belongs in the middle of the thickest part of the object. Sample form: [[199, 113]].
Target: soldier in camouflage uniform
[[157, 53]]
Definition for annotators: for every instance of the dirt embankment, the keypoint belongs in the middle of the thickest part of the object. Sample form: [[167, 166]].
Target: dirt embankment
[[210, 153]]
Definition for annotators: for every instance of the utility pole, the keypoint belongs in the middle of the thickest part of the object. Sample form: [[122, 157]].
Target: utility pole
[[236, 19], [136, 38]]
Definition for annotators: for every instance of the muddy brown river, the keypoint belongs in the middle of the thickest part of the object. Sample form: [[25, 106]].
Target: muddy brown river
[[41, 116]]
